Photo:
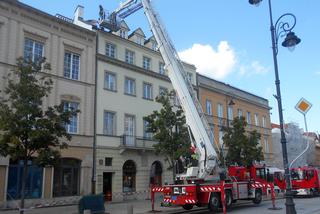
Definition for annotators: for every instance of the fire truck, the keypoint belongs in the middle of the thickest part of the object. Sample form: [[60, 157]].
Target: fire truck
[[201, 185], [305, 181]]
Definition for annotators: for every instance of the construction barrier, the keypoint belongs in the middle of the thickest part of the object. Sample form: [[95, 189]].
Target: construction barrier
[[223, 197]]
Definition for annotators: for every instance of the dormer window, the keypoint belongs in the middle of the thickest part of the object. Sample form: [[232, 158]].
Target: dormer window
[[139, 40], [154, 46], [123, 33]]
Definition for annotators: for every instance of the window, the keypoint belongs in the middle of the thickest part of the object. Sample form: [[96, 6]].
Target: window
[[66, 179], [129, 86], [256, 119], [129, 176], [266, 145], [147, 91], [220, 110], [139, 40], [146, 63], [240, 114], [248, 117], [161, 68], [189, 77], [230, 113], [109, 126], [221, 137], [72, 127], [71, 65], [211, 133], [162, 90], [123, 34], [154, 45], [146, 134], [33, 186], [220, 113], [108, 161], [208, 107], [110, 81], [129, 57], [129, 130], [110, 50], [264, 122], [33, 50]]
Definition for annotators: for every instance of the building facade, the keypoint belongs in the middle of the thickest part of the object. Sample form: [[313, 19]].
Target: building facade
[[28, 32], [131, 75], [222, 102]]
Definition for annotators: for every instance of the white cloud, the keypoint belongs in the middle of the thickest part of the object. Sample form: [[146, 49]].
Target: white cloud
[[317, 72], [253, 68], [213, 63]]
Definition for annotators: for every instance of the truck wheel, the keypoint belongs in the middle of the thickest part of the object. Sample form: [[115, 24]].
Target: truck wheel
[[214, 202], [229, 199], [258, 197], [187, 206]]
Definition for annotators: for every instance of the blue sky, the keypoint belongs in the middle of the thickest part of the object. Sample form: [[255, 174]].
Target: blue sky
[[235, 39]]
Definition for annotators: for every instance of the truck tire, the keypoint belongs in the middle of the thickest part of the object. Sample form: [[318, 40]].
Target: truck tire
[[214, 202], [229, 199], [187, 206], [257, 197]]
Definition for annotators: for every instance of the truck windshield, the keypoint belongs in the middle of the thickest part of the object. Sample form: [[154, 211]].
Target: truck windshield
[[297, 174]]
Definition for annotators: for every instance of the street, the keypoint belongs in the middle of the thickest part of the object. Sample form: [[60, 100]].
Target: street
[[303, 206]]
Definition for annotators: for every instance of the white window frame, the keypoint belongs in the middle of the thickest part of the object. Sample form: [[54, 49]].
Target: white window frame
[[256, 119], [110, 50], [240, 113], [146, 63], [107, 85], [209, 107], [114, 123], [130, 57], [161, 68], [34, 43], [249, 117], [264, 121], [68, 126], [127, 88], [71, 70], [146, 135], [147, 91]]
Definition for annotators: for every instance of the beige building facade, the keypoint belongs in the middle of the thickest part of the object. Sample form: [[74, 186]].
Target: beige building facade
[[28, 32], [222, 102], [130, 76]]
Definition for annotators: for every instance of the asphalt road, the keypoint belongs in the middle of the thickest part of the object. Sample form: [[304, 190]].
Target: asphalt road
[[303, 206]]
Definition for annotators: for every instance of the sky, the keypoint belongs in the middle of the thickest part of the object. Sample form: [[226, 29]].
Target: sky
[[230, 40]]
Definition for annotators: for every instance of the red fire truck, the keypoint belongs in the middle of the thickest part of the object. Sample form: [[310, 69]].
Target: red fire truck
[[201, 185], [304, 181]]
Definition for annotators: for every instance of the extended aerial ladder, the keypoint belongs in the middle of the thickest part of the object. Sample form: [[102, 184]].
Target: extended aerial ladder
[[195, 118]]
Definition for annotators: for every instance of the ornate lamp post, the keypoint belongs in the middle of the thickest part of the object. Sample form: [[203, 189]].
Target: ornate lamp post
[[282, 28]]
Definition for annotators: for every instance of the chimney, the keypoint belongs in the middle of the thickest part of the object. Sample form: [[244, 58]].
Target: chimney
[[78, 13]]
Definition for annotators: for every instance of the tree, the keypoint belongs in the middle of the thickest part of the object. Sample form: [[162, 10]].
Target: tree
[[168, 126], [27, 132], [243, 148]]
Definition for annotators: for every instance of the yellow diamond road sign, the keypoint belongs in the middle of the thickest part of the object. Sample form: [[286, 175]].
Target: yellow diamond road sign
[[303, 106]]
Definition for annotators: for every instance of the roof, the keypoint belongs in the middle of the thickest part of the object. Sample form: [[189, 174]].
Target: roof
[[139, 32]]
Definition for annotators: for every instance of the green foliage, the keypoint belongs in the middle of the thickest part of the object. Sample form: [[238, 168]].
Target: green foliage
[[168, 126], [26, 130], [243, 149]]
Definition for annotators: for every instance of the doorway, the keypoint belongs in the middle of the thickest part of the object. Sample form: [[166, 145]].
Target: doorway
[[107, 185]]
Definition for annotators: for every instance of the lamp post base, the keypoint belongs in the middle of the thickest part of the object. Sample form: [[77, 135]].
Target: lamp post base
[[290, 207]]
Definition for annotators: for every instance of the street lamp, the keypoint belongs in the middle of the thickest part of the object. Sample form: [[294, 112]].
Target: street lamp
[[282, 29]]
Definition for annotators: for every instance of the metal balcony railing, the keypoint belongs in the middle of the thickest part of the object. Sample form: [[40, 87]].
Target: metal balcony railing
[[136, 142]]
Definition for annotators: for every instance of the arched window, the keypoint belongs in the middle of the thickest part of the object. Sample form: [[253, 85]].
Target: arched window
[[66, 177], [156, 174], [33, 186], [129, 176]]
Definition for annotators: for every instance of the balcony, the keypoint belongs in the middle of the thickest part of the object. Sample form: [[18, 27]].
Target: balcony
[[136, 143]]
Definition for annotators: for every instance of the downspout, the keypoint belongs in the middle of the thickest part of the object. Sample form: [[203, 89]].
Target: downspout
[[94, 155]]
